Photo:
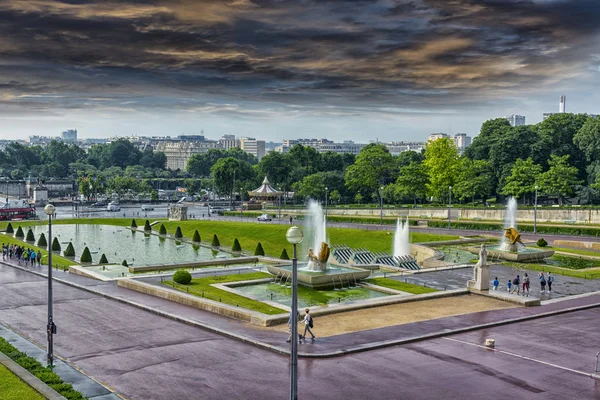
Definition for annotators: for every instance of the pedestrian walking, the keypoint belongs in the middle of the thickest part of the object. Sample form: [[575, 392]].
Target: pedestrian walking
[[516, 285], [496, 283], [550, 280], [289, 339], [508, 285], [542, 282], [291, 219], [526, 285], [308, 325], [39, 257]]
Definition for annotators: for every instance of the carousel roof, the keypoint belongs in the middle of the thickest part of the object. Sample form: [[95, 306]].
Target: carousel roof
[[265, 190]]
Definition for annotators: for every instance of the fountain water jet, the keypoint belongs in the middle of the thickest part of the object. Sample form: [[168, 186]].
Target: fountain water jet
[[401, 239], [315, 229]]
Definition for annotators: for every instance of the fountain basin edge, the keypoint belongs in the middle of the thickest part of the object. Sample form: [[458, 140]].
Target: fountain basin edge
[[321, 281], [523, 257]]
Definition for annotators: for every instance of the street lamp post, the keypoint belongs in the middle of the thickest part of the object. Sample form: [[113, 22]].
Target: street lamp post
[[381, 205], [326, 190], [51, 328], [449, 205], [535, 210], [294, 236], [280, 204]]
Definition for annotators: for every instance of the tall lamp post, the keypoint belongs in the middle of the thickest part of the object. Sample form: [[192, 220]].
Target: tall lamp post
[[381, 205], [326, 190], [294, 236], [535, 210], [51, 328], [449, 205], [280, 203]]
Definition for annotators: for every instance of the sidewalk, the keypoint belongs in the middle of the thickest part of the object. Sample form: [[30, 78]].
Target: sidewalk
[[322, 347]]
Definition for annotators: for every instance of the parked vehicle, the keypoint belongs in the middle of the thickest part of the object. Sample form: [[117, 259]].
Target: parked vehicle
[[265, 217], [17, 209], [113, 206], [147, 207], [99, 204]]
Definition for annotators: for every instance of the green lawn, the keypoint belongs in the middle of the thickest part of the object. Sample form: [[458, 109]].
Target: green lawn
[[201, 287], [13, 388], [402, 286], [577, 273], [569, 250]]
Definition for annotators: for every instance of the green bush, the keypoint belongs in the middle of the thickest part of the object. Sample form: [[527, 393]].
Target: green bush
[[103, 259], [86, 256], [559, 230], [9, 228], [30, 237], [215, 242], [69, 251], [178, 233], [284, 255], [259, 251], [236, 245], [19, 233], [133, 224], [55, 245], [147, 226], [196, 237], [124, 263], [42, 241], [542, 243], [182, 277], [162, 230]]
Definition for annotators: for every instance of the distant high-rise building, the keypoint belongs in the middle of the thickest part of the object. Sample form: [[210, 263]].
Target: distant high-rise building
[[563, 104], [69, 136], [322, 146], [229, 142], [179, 151], [253, 146], [436, 136], [516, 120]]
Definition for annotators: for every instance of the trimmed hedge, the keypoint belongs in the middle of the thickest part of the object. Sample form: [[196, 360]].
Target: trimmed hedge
[[69, 251], [236, 245], [196, 237], [30, 237], [542, 242], [124, 263], [544, 229], [215, 241], [162, 230], [19, 233], [147, 226], [182, 277], [259, 251], [45, 374], [178, 233], [133, 224], [284, 255], [42, 241], [103, 259], [9, 228], [55, 245], [86, 256]]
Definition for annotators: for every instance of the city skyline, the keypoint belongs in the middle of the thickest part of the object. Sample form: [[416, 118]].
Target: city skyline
[[342, 70]]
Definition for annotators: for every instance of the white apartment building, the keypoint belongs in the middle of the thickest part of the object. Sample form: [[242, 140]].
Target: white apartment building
[[179, 151], [396, 148], [253, 146], [516, 120], [229, 142], [462, 141], [436, 136], [69, 136], [322, 146]]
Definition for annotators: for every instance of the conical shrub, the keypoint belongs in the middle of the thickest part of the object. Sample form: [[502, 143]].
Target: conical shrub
[[196, 237], [133, 224], [215, 242], [284, 255], [178, 233], [124, 263], [162, 230], [103, 259], [259, 251], [86, 256], [9, 228], [236, 245], [42, 241], [147, 226], [55, 245], [69, 251], [19, 233], [30, 237]]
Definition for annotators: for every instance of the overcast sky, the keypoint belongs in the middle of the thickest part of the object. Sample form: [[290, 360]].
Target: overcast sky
[[345, 69]]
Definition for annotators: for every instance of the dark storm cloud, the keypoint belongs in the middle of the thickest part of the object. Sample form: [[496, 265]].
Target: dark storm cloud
[[357, 55]]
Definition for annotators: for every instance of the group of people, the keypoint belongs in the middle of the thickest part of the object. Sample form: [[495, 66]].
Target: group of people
[[308, 325], [21, 254], [522, 287]]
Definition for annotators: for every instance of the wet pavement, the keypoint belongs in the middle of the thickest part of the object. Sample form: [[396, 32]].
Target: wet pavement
[[146, 356]]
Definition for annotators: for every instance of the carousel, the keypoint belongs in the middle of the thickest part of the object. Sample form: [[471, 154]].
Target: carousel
[[263, 194]]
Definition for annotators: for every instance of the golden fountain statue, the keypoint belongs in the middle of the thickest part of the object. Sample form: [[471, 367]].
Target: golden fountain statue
[[513, 237], [318, 262]]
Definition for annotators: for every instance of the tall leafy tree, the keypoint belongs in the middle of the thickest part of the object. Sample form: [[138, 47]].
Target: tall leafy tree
[[475, 179], [522, 180], [412, 182], [441, 161], [560, 178], [226, 170], [374, 167]]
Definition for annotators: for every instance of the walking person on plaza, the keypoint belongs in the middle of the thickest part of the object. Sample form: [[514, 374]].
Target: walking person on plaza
[[550, 280], [516, 284], [508, 285], [496, 283], [526, 285], [542, 282], [308, 324], [39, 257]]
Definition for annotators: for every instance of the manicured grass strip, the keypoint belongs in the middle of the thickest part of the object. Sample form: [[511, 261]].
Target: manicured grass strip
[[57, 261], [44, 374], [13, 388], [201, 287], [402, 286], [94, 221], [569, 250], [577, 273]]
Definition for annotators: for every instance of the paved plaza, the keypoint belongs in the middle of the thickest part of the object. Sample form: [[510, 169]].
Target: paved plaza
[[142, 355]]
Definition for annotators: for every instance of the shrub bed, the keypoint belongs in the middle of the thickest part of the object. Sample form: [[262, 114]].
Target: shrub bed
[[215, 241], [69, 251], [19, 233], [30, 237], [182, 277], [133, 224], [178, 233], [162, 230], [259, 251], [86, 256], [9, 228], [196, 237], [147, 226], [42, 241], [236, 245], [55, 245], [558, 230], [284, 255], [103, 259]]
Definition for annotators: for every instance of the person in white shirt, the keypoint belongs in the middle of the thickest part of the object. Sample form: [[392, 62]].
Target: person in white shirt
[[308, 324]]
